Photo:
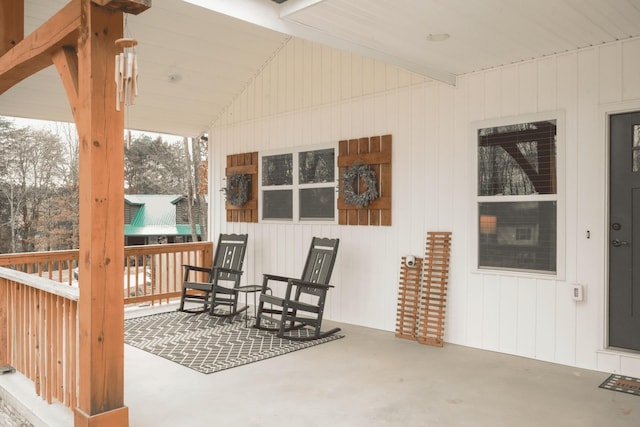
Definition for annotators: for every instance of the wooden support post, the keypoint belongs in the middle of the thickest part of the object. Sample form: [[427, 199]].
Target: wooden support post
[[101, 305], [11, 24], [92, 26]]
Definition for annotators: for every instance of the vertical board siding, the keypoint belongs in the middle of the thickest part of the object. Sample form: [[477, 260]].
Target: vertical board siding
[[510, 308], [491, 313], [491, 86], [547, 84], [610, 83], [509, 85], [527, 302], [311, 94], [474, 308], [631, 65], [545, 320], [591, 176], [527, 88]]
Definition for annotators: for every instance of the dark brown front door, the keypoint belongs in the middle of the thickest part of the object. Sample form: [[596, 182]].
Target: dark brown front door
[[624, 231]]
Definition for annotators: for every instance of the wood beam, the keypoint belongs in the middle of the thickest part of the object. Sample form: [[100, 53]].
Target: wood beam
[[101, 258], [66, 62], [33, 53], [11, 24]]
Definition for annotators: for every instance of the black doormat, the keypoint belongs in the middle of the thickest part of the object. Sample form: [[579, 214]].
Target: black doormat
[[210, 344], [623, 384]]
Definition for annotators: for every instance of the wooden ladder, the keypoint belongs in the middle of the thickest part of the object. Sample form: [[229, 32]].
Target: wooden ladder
[[434, 292], [408, 300], [422, 294]]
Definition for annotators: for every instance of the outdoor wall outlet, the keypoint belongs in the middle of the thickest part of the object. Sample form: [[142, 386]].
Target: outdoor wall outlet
[[577, 292]]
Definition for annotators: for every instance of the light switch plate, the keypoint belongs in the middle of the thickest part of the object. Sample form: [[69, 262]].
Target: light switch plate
[[577, 292]]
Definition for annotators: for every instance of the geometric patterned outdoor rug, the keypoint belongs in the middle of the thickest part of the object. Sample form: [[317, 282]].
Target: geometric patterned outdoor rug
[[209, 344], [621, 383]]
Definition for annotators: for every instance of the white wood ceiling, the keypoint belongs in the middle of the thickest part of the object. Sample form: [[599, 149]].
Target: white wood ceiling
[[195, 60], [192, 63]]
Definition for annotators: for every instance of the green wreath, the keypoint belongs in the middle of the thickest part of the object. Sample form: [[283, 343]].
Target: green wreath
[[237, 190], [354, 173]]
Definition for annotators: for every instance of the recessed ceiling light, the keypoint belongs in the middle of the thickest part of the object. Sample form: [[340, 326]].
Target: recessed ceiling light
[[438, 37]]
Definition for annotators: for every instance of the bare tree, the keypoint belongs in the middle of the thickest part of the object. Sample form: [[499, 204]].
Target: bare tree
[[33, 163], [200, 176], [62, 221], [190, 188]]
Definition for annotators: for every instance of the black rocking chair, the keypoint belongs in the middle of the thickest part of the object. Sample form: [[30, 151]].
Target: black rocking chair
[[227, 268], [303, 303]]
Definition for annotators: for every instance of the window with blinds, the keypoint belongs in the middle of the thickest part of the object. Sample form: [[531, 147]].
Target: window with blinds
[[299, 185], [517, 197]]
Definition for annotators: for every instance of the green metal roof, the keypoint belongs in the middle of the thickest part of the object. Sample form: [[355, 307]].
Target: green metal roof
[[156, 216]]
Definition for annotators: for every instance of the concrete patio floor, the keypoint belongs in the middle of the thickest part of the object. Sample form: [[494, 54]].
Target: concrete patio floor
[[368, 378]]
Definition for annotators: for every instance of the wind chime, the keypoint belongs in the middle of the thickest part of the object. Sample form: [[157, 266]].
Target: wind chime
[[126, 72]]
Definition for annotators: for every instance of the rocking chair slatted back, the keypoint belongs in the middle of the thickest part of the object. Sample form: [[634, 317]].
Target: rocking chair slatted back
[[320, 261], [230, 254]]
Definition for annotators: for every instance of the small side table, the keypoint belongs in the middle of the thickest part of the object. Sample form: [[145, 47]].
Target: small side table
[[251, 289]]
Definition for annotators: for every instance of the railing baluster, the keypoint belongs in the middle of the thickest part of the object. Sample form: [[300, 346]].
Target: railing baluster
[[73, 355], [35, 342], [59, 332], [51, 348], [167, 273]]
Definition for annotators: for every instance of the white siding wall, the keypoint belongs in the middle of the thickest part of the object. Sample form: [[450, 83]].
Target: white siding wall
[[311, 94]]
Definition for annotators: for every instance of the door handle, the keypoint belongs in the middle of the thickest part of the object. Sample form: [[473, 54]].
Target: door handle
[[617, 243]]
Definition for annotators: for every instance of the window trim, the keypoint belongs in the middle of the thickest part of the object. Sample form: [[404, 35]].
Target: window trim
[[559, 197], [296, 186]]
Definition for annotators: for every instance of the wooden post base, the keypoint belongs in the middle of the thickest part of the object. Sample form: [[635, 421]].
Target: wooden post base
[[116, 417]]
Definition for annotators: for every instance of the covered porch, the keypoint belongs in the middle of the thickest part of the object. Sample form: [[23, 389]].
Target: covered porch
[[370, 378], [518, 345]]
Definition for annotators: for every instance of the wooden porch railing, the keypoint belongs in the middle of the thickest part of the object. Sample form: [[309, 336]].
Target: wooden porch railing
[[161, 268], [39, 305], [38, 333], [152, 274]]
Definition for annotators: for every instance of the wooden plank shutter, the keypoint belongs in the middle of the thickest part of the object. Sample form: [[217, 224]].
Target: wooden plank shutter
[[244, 163], [374, 151]]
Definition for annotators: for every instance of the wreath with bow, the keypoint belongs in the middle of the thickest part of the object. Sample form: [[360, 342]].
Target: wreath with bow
[[237, 190], [352, 175]]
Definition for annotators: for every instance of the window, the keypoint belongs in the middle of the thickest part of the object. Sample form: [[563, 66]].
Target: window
[[299, 185], [523, 233], [517, 197]]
